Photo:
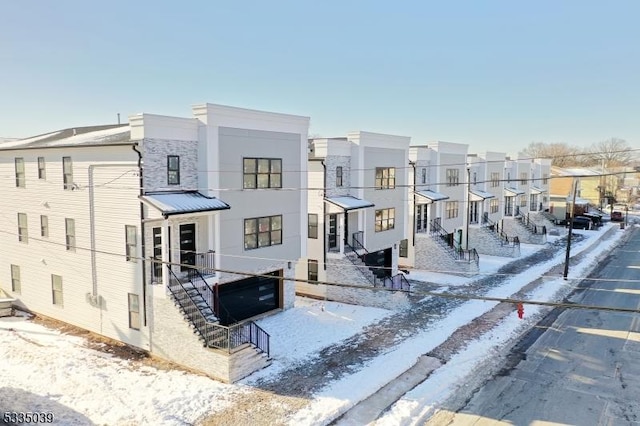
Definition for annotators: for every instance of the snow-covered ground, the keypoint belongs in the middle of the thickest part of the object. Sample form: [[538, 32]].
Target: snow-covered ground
[[43, 370]]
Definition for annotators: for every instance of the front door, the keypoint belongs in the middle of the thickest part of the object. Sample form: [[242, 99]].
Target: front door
[[508, 206], [473, 212], [333, 231], [187, 245]]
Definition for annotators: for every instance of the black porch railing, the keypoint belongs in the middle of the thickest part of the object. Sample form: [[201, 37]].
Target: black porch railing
[[447, 240], [536, 229], [204, 265], [397, 282], [193, 303], [504, 238]]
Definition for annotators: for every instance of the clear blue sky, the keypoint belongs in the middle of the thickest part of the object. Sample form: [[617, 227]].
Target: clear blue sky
[[494, 74]]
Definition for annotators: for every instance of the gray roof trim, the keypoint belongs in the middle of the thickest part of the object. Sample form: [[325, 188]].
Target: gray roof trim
[[347, 202], [432, 195]]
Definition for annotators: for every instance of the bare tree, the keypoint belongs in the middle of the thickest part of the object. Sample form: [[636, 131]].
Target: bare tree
[[613, 152], [561, 154]]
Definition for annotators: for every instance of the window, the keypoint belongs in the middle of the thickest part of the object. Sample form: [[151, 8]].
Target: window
[[313, 225], [173, 170], [56, 289], [312, 266], [475, 178], [533, 202], [339, 176], [262, 232], [385, 219], [20, 180], [385, 177], [70, 232], [67, 173], [16, 286], [44, 226], [424, 175], [495, 179], [134, 311], [524, 178], [404, 248], [545, 179], [523, 201], [131, 243], [23, 229], [453, 177], [509, 177], [451, 208], [494, 205], [42, 171], [262, 173]]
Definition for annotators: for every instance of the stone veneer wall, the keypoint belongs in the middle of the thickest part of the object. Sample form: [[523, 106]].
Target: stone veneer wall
[[431, 257], [488, 242], [513, 227]]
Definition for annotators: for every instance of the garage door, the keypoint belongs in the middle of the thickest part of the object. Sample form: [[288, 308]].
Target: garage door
[[246, 298]]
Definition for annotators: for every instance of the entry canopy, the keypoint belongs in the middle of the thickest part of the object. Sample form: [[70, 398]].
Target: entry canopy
[[432, 196], [478, 195], [183, 202], [347, 202]]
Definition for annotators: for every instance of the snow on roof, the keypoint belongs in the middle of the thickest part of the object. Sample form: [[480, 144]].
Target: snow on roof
[[536, 190], [574, 171], [93, 135], [480, 195], [432, 195], [173, 203], [513, 191], [348, 202]]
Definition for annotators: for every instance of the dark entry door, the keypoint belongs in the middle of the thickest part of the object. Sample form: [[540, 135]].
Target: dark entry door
[[187, 245], [246, 298], [333, 231]]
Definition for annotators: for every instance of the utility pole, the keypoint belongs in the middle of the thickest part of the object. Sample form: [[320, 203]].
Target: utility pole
[[574, 189], [468, 204]]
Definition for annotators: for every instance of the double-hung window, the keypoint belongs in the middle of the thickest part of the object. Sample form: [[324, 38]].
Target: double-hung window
[[131, 243], [524, 178], [67, 173], [313, 225], [424, 175], [451, 208], [70, 234], [262, 232], [262, 173], [42, 171], [495, 179], [44, 226], [20, 178], [312, 267], [338, 176], [23, 228], [173, 170], [453, 177], [134, 311], [56, 289], [16, 285]]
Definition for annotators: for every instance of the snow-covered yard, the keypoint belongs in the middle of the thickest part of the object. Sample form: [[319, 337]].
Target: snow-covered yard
[[44, 370]]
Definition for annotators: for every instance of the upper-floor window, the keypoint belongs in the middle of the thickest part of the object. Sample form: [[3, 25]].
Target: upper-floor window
[[523, 201], [404, 248], [451, 208], [23, 229], [262, 232], [524, 178], [453, 177], [475, 177], [67, 173], [495, 179], [42, 170], [545, 179], [385, 177], [424, 175], [339, 176], [509, 177], [385, 219], [20, 179], [262, 173], [70, 234], [313, 225], [131, 243], [173, 170]]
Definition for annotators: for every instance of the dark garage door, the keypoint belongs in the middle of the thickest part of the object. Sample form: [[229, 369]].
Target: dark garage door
[[246, 298]]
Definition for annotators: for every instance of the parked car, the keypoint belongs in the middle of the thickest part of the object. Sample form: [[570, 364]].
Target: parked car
[[616, 217], [596, 219], [581, 222]]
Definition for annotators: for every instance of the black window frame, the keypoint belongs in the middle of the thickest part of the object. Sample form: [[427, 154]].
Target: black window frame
[[312, 275], [385, 178], [424, 175], [339, 175], [253, 176], [403, 248], [260, 236], [173, 170]]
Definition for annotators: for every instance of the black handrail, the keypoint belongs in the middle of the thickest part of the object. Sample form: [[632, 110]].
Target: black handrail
[[204, 264], [536, 229], [457, 251], [397, 282], [504, 238], [210, 294]]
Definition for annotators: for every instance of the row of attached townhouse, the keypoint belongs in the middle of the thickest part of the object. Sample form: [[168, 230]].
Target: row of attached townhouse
[[173, 234]]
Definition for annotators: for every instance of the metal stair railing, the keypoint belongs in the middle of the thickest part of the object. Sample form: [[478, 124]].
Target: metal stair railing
[[397, 282], [214, 335], [531, 226], [356, 244], [446, 239], [504, 238], [210, 295]]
